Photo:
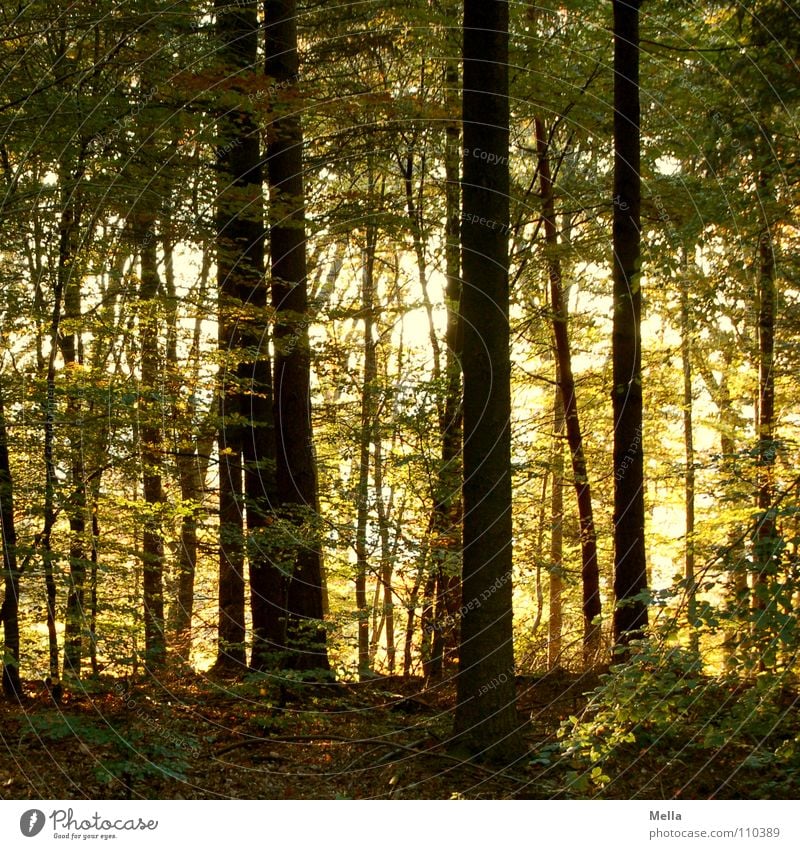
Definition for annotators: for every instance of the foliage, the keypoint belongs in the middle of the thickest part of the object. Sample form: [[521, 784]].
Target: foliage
[[658, 713]]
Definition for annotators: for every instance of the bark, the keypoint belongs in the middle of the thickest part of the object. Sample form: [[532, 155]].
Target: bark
[[590, 573], [630, 566], [486, 717], [296, 466]]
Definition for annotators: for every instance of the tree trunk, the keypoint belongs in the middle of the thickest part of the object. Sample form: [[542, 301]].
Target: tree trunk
[[689, 479], [387, 556], [296, 464], [367, 435], [246, 438], [630, 566], [447, 497], [556, 623], [152, 446], [94, 560], [9, 611], [193, 449], [486, 717], [590, 574], [412, 609], [50, 482], [69, 283], [766, 544]]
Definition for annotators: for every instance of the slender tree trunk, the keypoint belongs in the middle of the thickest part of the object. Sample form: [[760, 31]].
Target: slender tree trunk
[[427, 619], [448, 506], [152, 446], [766, 544], [9, 611], [486, 717], [69, 283], [412, 608], [590, 573], [94, 560], [50, 482], [539, 552], [556, 624], [689, 479], [387, 555], [192, 451], [630, 565], [446, 518], [367, 435], [296, 465]]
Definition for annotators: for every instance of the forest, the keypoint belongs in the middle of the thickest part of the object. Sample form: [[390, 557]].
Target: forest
[[396, 399]]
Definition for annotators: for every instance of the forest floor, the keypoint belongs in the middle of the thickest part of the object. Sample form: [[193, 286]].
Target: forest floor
[[193, 738]]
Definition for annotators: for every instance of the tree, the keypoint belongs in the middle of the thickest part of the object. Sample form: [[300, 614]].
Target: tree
[[630, 569], [486, 718], [296, 472], [152, 442], [368, 433], [245, 388], [590, 572]]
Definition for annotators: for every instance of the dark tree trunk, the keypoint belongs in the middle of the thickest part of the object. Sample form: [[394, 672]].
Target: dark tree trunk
[[486, 716], [766, 543], [94, 560], [296, 465], [9, 611], [590, 573], [50, 482], [246, 439], [152, 446], [630, 569]]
